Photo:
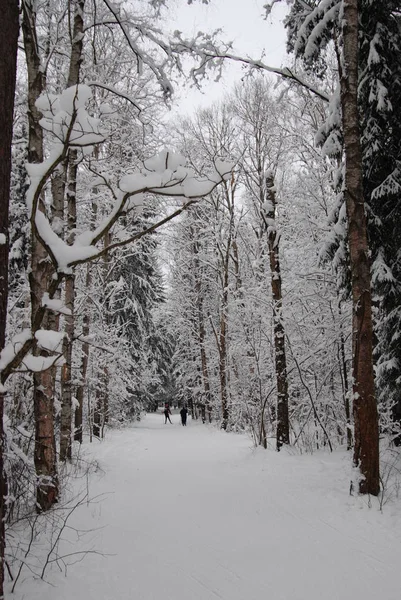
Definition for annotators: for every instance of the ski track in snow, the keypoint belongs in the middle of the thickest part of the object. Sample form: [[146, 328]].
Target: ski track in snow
[[192, 513]]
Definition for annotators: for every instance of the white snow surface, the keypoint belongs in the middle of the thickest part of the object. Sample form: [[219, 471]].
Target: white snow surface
[[192, 513], [55, 304], [50, 340]]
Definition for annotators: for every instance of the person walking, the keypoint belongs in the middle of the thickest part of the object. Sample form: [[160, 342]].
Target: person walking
[[167, 413], [183, 413]]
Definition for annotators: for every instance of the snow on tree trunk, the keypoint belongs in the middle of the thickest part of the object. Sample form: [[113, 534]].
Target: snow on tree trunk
[[69, 300], [283, 428], [66, 372], [8, 65], [41, 272], [366, 442]]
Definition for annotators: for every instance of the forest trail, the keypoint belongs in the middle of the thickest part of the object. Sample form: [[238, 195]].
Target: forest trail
[[191, 513]]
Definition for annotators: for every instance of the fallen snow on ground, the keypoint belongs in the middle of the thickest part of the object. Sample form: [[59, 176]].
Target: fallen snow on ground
[[192, 513]]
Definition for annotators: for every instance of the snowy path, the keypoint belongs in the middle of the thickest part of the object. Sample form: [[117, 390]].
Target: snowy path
[[195, 514]]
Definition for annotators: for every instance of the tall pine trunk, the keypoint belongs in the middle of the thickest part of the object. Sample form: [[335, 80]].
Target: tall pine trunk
[[8, 66], [366, 437]]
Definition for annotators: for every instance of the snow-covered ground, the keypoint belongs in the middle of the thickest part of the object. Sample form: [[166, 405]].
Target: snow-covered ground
[[192, 513]]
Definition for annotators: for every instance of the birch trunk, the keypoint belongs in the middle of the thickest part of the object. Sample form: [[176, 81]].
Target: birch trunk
[[69, 301], [366, 437]]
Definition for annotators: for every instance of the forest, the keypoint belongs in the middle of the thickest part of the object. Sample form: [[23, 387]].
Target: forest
[[241, 261]]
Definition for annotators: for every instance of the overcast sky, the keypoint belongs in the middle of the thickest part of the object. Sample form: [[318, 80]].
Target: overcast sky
[[242, 23]]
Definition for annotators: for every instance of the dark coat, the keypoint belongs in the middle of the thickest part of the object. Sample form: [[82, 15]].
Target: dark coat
[[183, 413]]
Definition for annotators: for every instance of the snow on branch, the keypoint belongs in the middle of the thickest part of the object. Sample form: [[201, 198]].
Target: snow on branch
[[164, 174], [167, 174], [142, 57], [36, 364], [66, 117], [18, 352], [9, 352], [314, 27], [172, 49], [55, 304], [269, 7], [286, 73]]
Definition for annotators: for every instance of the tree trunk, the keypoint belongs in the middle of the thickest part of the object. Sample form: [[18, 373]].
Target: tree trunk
[[84, 367], [41, 273], [105, 371], [85, 352], [8, 66], [283, 427], [223, 362], [344, 377], [66, 373], [366, 437], [101, 410], [229, 189], [97, 415], [202, 335]]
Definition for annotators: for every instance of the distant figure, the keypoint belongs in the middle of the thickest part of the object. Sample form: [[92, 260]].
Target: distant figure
[[183, 413], [167, 413]]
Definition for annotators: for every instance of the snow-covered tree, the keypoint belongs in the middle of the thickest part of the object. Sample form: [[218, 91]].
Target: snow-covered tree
[[312, 25]]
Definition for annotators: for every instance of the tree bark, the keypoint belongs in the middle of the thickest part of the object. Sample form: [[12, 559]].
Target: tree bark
[[66, 373], [101, 409], [283, 427], [366, 437], [41, 273], [8, 67], [344, 377], [84, 367]]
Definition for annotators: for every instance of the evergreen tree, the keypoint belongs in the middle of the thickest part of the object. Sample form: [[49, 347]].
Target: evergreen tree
[[380, 110]]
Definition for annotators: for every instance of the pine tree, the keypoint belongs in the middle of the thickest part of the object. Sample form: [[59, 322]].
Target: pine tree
[[380, 110]]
